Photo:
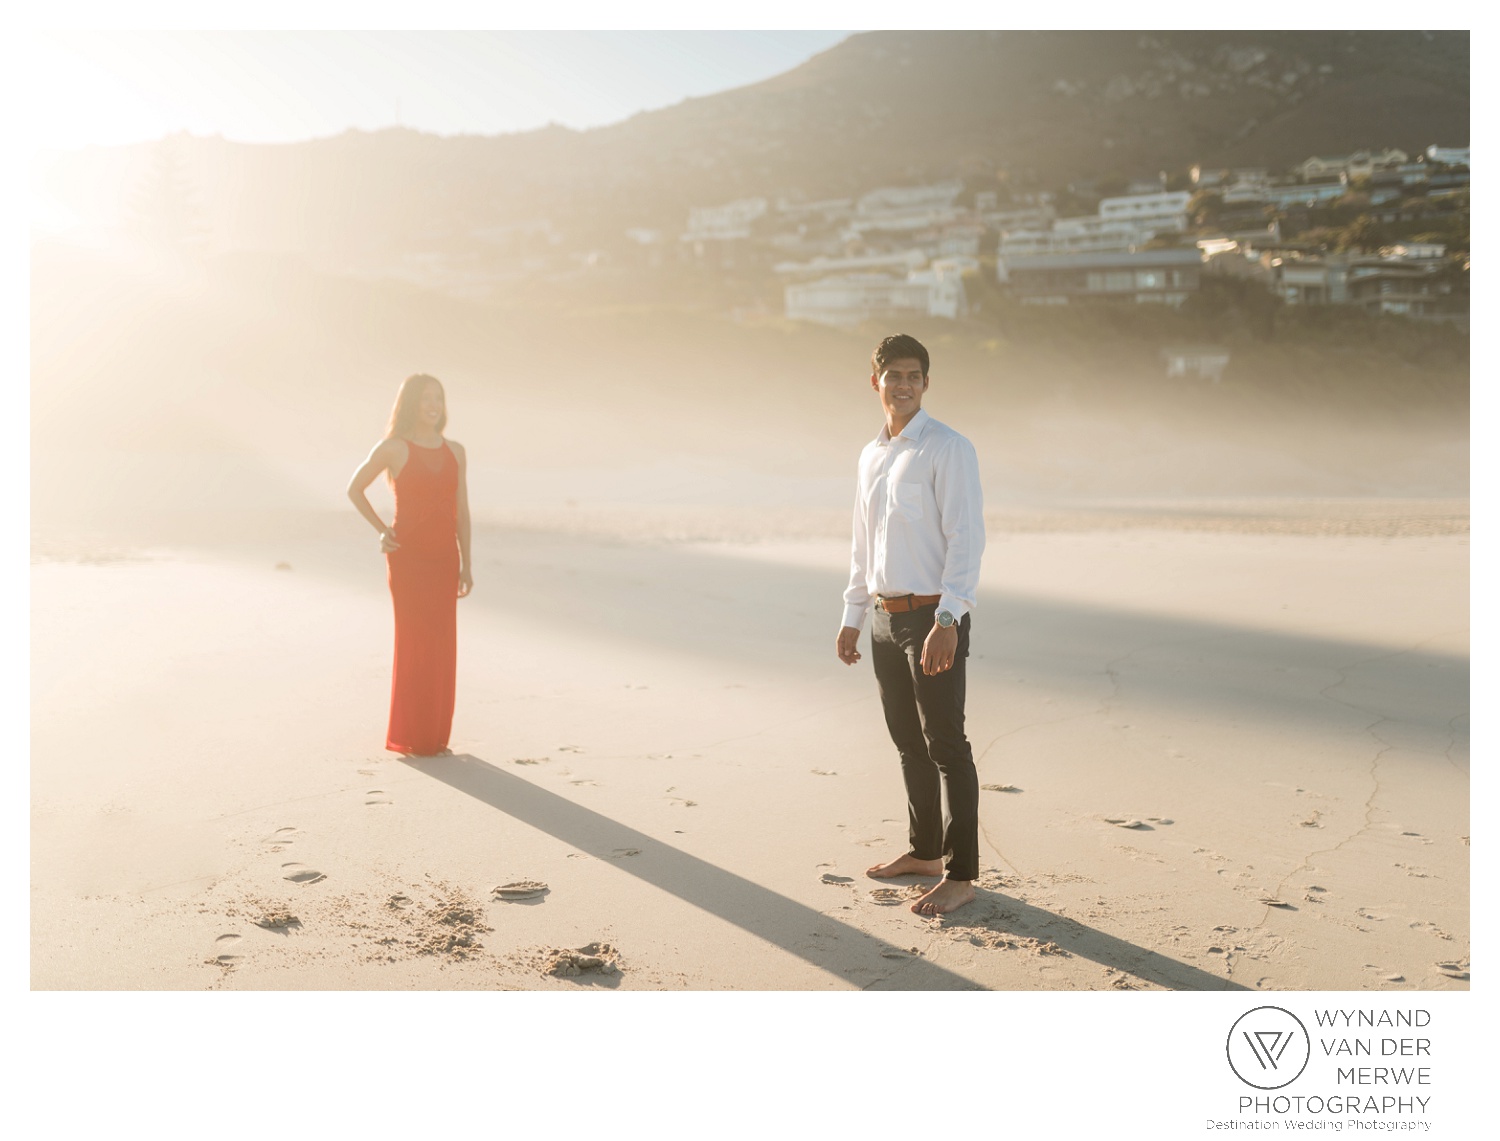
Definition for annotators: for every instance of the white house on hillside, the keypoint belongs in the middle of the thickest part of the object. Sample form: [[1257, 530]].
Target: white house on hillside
[[1355, 165], [904, 199], [1452, 156], [1167, 209], [1122, 224], [906, 207], [851, 299], [731, 220]]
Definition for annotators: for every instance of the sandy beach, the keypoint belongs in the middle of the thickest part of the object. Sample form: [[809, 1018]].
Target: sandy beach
[[1223, 745]]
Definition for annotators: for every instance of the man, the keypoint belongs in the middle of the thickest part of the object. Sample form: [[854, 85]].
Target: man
[[918, 537]]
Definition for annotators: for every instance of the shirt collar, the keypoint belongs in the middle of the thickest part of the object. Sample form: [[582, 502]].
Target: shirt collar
[[913, 430]]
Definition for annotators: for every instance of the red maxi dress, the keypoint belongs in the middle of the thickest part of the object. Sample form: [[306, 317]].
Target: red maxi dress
[[423, 574]]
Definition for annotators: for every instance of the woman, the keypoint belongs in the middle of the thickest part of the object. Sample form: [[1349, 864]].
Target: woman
[[427, 559]]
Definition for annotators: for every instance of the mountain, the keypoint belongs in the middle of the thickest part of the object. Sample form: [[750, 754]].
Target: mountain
[[1028, 109], [906, 106]]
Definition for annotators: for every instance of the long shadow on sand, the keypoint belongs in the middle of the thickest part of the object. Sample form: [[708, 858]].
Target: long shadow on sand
[[858, 957], [995, 917], [688, 602]]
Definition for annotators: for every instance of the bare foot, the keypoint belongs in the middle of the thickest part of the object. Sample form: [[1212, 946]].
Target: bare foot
[[947, 896], [907, 865]]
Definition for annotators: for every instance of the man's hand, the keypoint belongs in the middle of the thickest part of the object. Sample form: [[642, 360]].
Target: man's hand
[[847, 645], [939, 650]]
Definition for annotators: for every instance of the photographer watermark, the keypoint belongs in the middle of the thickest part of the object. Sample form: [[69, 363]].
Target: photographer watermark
[[1366, 1070]]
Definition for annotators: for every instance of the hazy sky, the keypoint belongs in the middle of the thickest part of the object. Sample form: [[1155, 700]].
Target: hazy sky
[[260, 86]]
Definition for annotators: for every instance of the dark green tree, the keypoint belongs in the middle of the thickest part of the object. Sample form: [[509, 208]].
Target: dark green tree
[[1364, 234]]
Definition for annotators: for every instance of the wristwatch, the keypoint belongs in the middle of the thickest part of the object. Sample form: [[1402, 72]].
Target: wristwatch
[[945, 619]]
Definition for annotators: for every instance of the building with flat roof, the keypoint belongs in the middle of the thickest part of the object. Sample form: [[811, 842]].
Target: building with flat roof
[[722, 223], [851, 299], [1303, 192], [1451, 156], [1410, 288], [1360, 162], [1145, 209], [1164, 277]]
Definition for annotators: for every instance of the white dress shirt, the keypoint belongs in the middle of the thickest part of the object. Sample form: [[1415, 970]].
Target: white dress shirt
[[918, 519]]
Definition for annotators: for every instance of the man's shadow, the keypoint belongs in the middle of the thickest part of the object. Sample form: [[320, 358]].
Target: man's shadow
[[853, 956], [997, 919]]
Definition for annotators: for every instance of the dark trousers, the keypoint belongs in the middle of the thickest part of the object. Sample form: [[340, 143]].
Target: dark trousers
[[926, 718]]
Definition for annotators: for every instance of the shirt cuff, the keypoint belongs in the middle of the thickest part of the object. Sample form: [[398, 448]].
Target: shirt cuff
[[954, 605], [854, 615]]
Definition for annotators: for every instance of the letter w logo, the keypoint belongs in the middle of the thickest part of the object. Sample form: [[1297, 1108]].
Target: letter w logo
[[1268, 1046]]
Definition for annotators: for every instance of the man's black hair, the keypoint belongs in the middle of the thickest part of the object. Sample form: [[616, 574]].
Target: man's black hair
[[900, 347]]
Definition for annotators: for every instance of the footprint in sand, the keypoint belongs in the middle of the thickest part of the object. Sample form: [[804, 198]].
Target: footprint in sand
[[300, 873], [1429, 928], [530, 760], [829, 877], [377, 796], [224, 953], [365, 772], [684, 803], [521, 889], [824, 773], [280, 838], [568, 962], [621, 853], [1128, 822], [999, 788], [569, 749], [586, 782], [890, 896], [1455, 969]]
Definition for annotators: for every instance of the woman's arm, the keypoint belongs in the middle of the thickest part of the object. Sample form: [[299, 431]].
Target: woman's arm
[[382, 455], [465, 570]]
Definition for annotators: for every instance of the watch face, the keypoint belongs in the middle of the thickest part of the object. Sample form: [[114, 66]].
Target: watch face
[[945, 619]]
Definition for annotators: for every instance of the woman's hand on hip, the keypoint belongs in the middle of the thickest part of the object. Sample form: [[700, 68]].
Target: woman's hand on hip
[[465, 582], [388, 542]]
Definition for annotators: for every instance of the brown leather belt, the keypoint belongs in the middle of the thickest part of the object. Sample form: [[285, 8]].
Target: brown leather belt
[[902, 603]]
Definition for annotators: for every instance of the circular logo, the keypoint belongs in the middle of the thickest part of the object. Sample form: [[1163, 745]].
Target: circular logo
[[1268, 1047]]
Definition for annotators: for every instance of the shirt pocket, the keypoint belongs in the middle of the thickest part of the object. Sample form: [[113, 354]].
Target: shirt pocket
[[907, 500]]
